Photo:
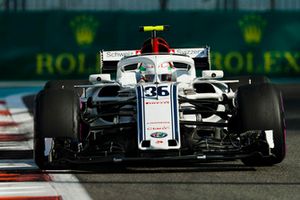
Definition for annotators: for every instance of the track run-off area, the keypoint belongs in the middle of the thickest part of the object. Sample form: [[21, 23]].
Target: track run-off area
[[21, 179]]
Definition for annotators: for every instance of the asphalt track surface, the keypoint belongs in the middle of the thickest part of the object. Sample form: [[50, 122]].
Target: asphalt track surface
[[222, 180]]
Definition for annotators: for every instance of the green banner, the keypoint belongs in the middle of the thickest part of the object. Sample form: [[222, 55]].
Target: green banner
[[62, 45]]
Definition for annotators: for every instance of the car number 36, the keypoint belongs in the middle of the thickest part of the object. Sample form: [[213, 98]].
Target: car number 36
[[152, 91]]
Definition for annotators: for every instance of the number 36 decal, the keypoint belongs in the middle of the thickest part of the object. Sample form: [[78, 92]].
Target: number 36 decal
[[152, 91]]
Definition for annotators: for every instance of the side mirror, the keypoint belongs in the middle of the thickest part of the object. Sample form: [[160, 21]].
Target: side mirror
[[96, 78], [212, 74]]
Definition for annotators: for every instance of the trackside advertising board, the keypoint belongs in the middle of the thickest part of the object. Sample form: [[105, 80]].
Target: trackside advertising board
[[65, 45]]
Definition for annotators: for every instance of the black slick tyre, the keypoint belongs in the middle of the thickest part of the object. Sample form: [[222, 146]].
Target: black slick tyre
[[56, 116], [260, 107]]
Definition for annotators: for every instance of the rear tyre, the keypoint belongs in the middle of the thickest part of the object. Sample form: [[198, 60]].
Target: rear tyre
[[260, 107], [56, 117]]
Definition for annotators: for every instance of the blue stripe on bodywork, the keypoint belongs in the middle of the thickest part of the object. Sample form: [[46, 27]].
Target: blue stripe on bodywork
[[172, 112], [175, 107], [143, 113], [139, 113]]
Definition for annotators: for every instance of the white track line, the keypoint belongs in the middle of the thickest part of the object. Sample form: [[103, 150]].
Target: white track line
[[27, 164], [26, 189], [6, 118], [65, 185]]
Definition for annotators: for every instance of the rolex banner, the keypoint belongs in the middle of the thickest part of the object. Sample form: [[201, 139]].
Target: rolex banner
[[65, 45]]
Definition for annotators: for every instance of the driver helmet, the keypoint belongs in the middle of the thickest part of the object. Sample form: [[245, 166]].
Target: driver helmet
[[164, 72]]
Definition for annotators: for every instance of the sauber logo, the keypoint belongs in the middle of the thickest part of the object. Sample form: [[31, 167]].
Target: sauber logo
[[159, 135]]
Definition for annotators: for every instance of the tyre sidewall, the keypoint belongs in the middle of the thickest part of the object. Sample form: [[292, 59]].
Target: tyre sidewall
[[260, 108]]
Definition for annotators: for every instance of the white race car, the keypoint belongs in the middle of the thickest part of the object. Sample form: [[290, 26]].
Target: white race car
[[156, 109]]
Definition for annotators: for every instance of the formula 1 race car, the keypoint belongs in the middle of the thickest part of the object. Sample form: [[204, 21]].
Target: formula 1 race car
[[156, 109]]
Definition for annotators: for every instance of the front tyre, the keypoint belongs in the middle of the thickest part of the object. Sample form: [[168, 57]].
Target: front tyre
[[260, 107], [56, 117]]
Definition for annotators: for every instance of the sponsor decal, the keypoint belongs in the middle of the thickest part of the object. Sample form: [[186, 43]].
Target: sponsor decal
[[118, 54], [152, 91], [159, 142], [193, 52], [157, 102], [158, 128], [158, 122], [159, 135]]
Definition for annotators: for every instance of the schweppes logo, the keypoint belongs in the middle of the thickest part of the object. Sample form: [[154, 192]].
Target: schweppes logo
[[252, 27], [85, 29]]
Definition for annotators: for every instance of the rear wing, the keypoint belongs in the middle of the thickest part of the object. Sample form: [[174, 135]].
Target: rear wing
[[110, 59]]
